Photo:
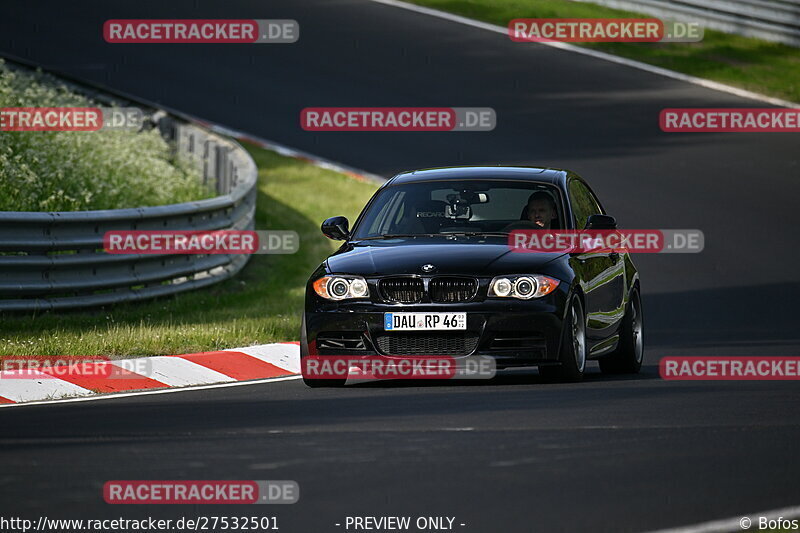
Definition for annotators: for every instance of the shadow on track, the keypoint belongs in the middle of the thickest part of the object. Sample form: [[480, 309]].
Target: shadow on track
[[257, 409], [522, 376]]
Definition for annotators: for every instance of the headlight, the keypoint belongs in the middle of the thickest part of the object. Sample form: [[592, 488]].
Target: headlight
[[501, 287], [341, 287], [523, 287]]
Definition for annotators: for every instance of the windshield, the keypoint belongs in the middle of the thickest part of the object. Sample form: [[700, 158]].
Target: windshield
[[470, 206]]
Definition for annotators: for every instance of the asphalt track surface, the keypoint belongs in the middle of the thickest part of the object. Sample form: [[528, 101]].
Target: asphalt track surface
[[514, 454]]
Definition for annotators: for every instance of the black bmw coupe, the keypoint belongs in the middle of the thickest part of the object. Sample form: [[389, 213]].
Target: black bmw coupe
[[427, 270]]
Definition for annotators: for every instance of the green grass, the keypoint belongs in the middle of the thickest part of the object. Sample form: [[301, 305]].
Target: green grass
[[753, 64], [262, 304], [78, 171]]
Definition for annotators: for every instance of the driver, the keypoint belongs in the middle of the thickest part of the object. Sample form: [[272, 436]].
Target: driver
[[542, 210]]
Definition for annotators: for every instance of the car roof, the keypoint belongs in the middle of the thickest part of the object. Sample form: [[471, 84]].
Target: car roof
[[556, 176]]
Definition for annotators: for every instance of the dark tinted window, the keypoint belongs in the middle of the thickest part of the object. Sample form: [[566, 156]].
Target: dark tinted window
[[583, 203], [452, 207]]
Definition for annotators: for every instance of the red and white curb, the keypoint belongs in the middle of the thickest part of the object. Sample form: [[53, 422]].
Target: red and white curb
[[264, 362]]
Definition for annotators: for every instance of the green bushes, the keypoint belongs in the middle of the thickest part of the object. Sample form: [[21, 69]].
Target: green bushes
[[262, 304], [74, 171]]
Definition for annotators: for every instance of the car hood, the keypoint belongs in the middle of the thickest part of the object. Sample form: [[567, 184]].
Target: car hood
[[462, 255]]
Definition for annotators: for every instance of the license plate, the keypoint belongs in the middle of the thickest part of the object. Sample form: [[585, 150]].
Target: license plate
[[424, 321]]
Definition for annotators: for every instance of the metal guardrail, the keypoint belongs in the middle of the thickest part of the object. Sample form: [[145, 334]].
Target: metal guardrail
[[56, 260], [771, 20]]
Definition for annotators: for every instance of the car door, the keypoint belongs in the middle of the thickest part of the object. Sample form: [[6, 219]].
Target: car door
[[601, 274]]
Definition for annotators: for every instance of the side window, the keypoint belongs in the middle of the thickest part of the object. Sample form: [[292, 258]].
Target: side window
[[583, 203]]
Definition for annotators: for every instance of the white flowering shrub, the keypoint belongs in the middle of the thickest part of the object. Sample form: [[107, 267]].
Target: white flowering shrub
[[75, 171]]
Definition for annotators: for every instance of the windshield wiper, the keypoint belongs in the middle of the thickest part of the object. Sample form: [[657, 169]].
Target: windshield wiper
[[478, 233], [399, 236], [448, 234]]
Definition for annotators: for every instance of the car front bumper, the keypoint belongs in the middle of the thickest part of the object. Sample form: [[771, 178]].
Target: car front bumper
[[513, 332]]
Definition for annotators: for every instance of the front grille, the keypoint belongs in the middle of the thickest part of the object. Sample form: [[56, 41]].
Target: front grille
[[402, 290], [432, 343], [452, 290]]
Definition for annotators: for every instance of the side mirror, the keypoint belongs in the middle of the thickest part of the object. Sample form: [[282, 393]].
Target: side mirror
[[336, 228], [601, 222]]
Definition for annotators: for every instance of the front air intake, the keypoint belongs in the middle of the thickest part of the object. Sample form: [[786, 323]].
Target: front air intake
[[428, 343]]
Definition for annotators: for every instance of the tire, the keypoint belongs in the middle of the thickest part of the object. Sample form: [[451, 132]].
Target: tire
[[627, 357], [313, 382], [572, 354]]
